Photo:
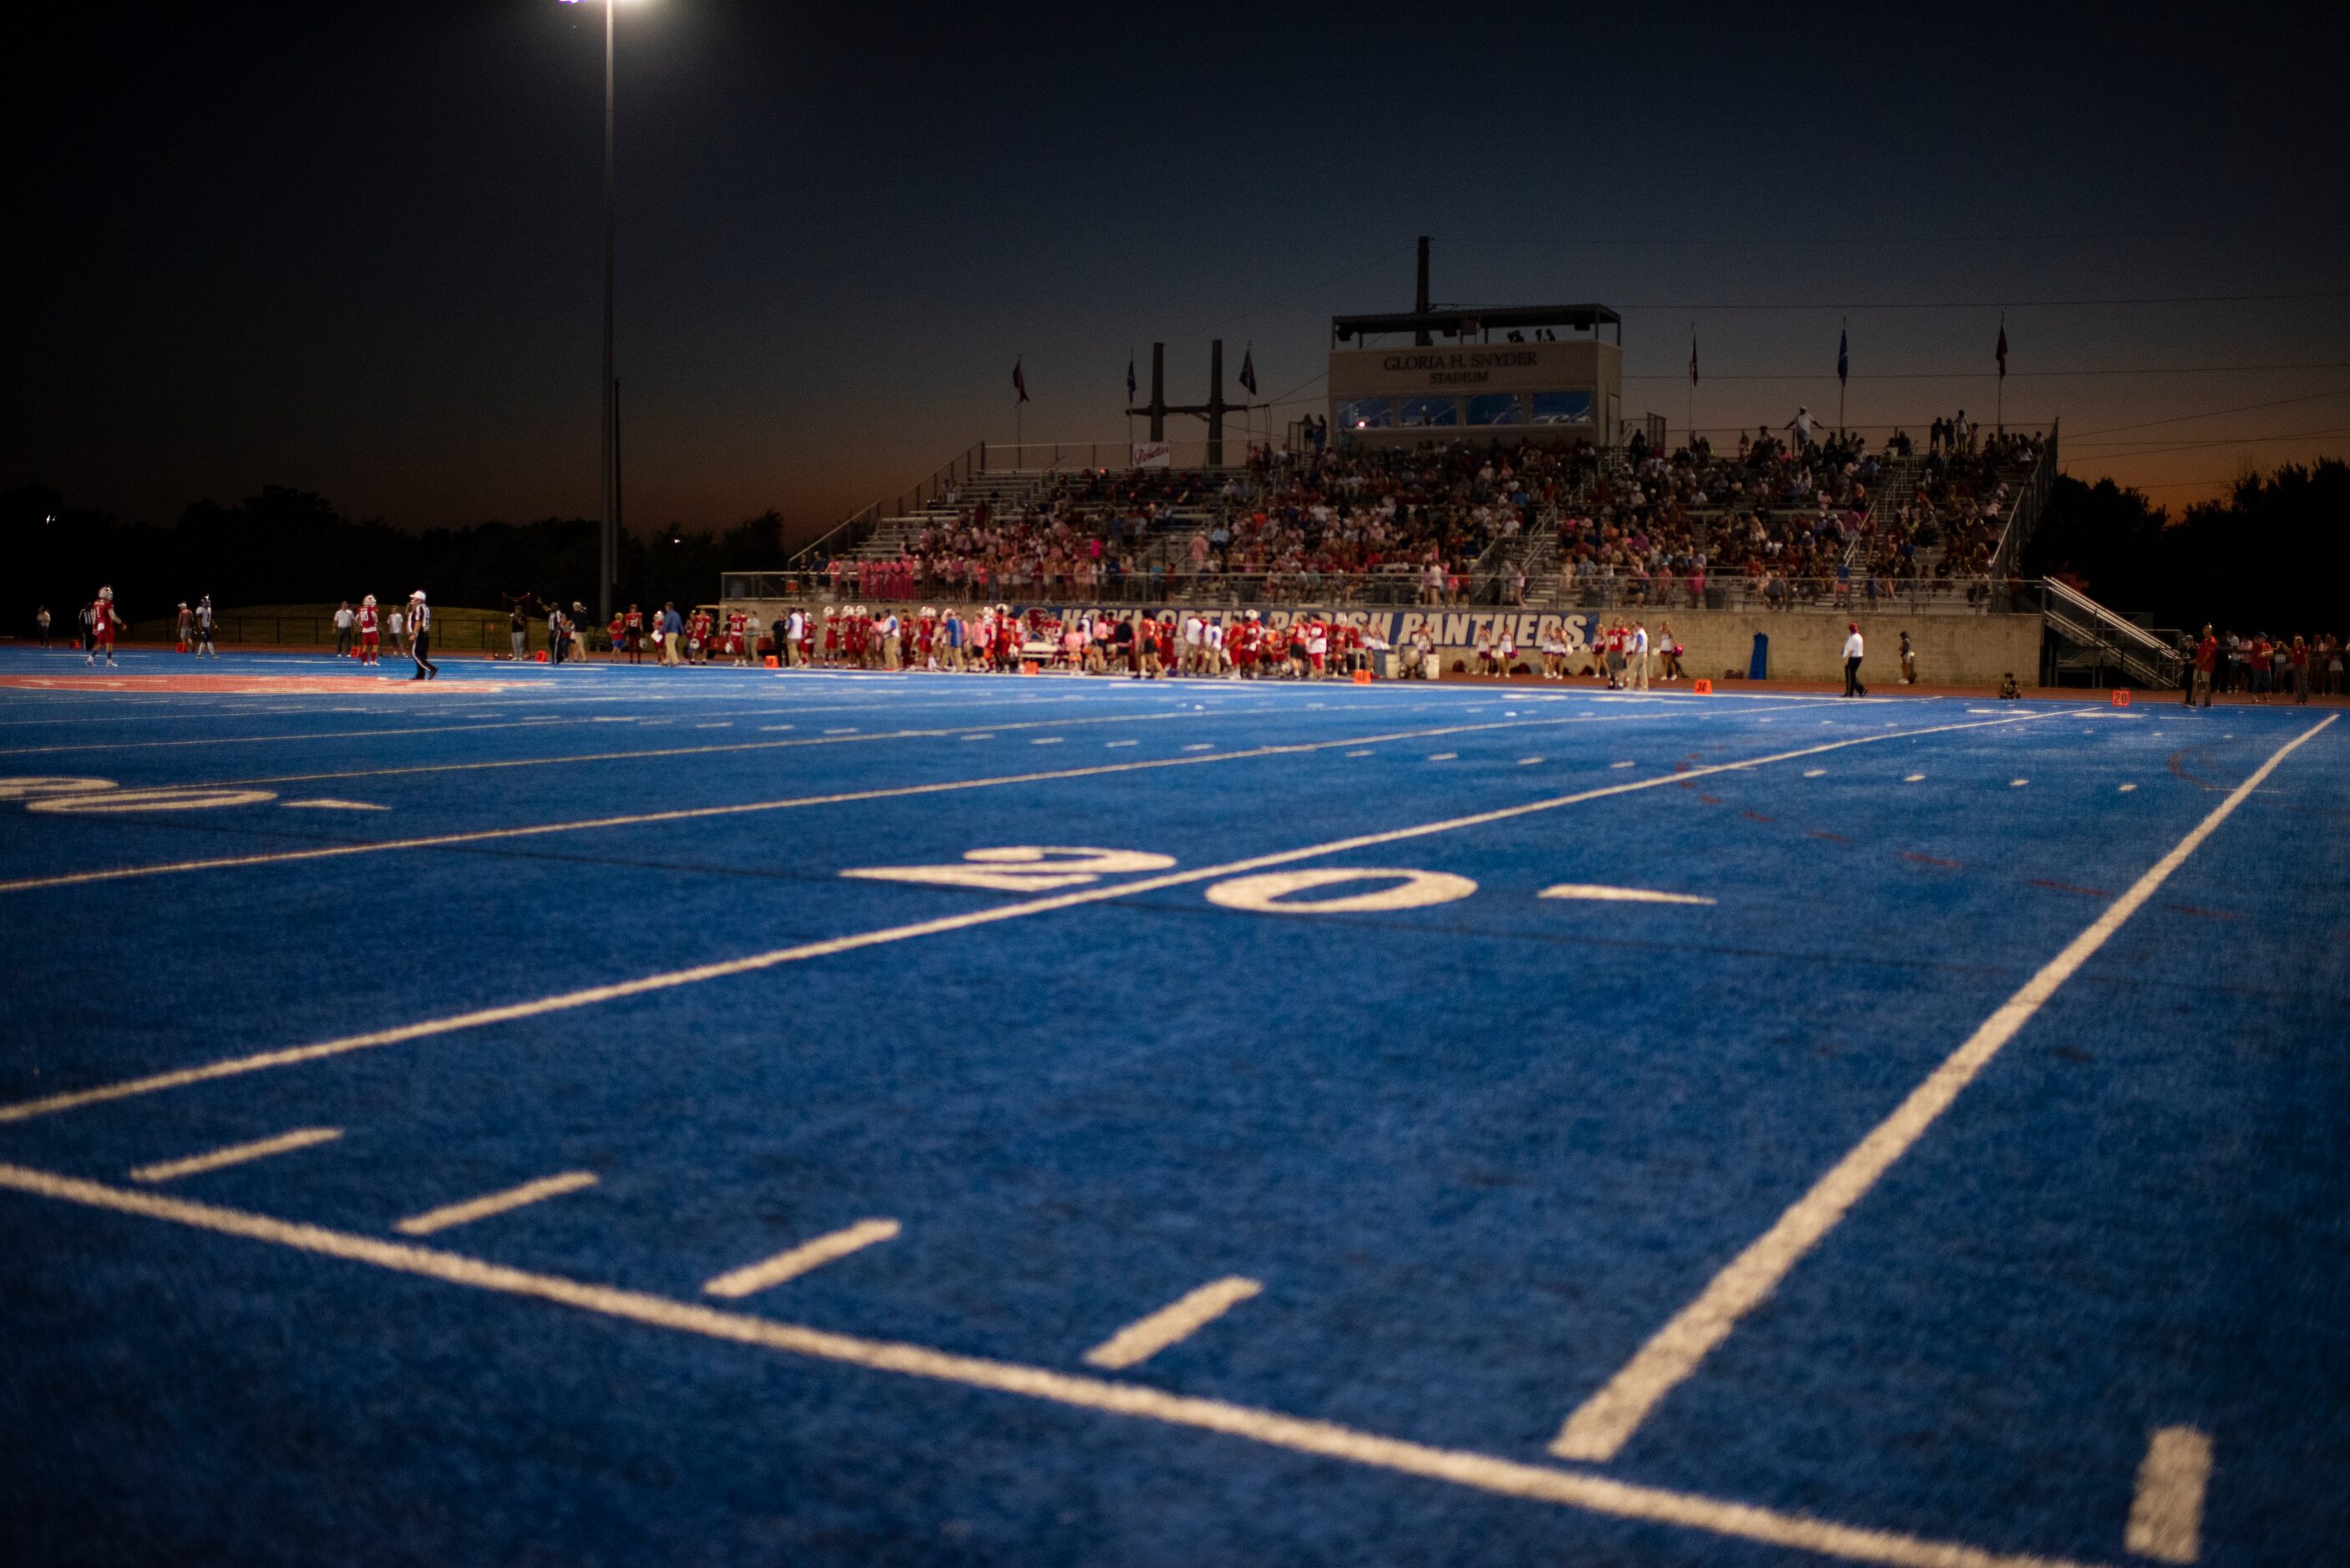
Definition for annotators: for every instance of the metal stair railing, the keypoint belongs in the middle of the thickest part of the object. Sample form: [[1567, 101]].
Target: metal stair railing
[[853, 530], [2142, 657], [2024, 518]]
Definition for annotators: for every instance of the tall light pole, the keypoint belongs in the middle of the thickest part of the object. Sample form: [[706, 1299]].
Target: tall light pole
[[607, 539]]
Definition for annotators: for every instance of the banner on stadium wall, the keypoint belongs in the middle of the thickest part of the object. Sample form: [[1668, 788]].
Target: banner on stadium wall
[[1445, 628], [1154, 454]]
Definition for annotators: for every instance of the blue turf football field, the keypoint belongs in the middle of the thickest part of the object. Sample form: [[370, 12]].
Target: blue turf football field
[[582, 945]]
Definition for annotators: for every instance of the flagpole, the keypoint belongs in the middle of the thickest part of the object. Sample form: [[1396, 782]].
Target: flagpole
[[1844, 333], [1692, 388], [1999, 401]]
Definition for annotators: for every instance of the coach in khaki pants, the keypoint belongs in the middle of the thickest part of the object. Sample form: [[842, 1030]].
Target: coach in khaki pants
[[1635, 678], [672, 635]]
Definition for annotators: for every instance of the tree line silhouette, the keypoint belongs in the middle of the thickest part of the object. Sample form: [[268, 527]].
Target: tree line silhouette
[[286, 546], [2272, 554]]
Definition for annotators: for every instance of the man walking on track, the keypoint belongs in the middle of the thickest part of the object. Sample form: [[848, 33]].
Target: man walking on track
[[1852, 652], [420, 637]]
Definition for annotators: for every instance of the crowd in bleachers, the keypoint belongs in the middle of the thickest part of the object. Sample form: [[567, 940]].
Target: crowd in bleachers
[[1422, 514], [1784, 521], [1079, 539], [1779, 519]]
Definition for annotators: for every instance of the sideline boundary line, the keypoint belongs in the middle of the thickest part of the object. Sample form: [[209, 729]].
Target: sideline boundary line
[[718, 747], [1601, 1425], [257, 740], [1328, 1439], [589, 996], [688, 814]]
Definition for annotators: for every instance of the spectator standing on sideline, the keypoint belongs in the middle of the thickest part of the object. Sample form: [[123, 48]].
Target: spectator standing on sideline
[[41, 619], [204, 628], [420, 637], [185, 630], [1852, 656], [1909, 663], [517, 628], [672, 634], [2299, 662], [343, 619], [2207, 659], [398, 629]]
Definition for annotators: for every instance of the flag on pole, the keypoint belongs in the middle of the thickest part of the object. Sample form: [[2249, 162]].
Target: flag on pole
[[1248, 371], [1019, 382], [1692, 353], [1129, 378], [2000, 352], [1844, 357]]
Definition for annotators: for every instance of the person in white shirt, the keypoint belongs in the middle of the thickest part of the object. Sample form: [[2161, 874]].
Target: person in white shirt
[[1211, 642], [795, 628], [343, 621], [1639, 651], [1801, 425], [1852, 652], [1193, 642]]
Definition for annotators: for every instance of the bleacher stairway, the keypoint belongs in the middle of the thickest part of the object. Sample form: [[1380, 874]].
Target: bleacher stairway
[[2084, 638]]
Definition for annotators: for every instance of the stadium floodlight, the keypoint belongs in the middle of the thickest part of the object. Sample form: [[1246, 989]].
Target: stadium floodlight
[[608, 553]]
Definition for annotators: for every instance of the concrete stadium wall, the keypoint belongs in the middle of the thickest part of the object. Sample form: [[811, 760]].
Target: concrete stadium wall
[[1953, 649]]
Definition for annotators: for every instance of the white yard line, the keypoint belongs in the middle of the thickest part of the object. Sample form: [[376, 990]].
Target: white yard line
[[688, 814], [489, 1203], [593, 995], [792, 1263], [235, 1154], [1177, 1321], [1294, 1434], [1599, 1427]]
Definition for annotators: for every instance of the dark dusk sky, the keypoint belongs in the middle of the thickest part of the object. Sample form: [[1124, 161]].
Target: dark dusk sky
[[355, 248]]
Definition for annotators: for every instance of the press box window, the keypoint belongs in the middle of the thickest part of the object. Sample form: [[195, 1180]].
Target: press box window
[[1431, 412], [1561, 408], [1366, 414]]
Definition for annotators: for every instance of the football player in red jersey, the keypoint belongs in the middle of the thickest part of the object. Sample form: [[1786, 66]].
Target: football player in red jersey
[[103, 623]]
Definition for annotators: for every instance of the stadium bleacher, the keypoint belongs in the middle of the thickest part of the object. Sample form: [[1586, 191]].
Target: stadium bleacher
[[1765, 523]]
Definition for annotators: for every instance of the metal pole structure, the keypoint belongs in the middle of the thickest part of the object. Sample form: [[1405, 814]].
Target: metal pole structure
[[1216, 403], [618, 516], [1419, 295], [609, 537], [1159, 391]]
